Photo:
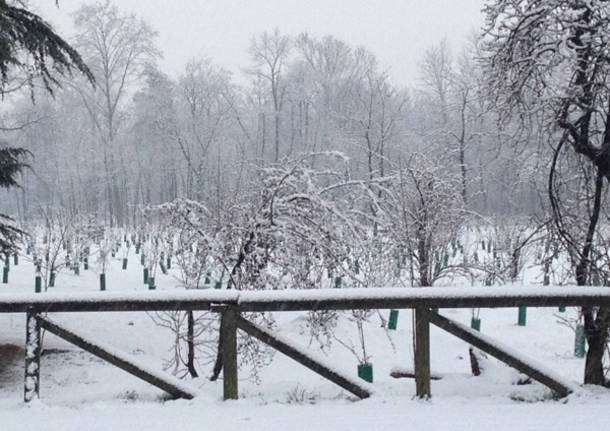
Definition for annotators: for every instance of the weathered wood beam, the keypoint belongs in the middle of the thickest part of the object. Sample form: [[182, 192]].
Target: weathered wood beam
[[422, 354], [123, 361], [228, 333], [253, 305], [500, 352], [314, 299], [397, 374], [32, 357], [51, 306], [294, 353]]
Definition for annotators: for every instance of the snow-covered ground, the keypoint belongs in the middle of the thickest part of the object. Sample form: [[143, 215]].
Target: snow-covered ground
[[81, 392]]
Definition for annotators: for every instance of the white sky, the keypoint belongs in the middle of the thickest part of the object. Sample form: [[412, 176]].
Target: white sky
[[396, 31]]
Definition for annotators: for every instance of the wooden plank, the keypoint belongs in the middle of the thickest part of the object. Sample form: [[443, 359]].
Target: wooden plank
[[90, 305], [315, 299], [398, 374], [119, 360], [498, 351], [32, 357], [422, 354], [294, 353], [228, 333], [418, 302]]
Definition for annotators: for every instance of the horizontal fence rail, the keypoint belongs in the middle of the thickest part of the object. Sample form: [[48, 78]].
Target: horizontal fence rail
[[231, 303], [315, 299]]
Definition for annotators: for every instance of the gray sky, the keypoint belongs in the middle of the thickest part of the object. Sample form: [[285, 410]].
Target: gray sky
[[396, 31]]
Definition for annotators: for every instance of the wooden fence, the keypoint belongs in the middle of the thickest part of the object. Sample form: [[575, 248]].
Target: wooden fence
[[230, 304]]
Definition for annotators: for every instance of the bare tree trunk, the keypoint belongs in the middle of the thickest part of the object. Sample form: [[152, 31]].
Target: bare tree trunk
[[190, 338], [596, 326], [596, 330]]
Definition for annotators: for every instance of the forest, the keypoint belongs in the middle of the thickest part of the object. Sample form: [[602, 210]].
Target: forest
[[312, 169]]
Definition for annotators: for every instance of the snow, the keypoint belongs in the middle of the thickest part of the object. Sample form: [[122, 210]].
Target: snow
[[232, 297], [369, 414], [141, 364], [79, 391], [320, 359], [521, 357]]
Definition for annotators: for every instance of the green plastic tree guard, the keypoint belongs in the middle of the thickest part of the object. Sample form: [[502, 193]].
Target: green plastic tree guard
[[52, 279], [207, 281], [124, 263], [393, 320], [357, 267], [85, 264], [145, 275], [546, 280], [365, 372], [475, 324], [76, 269], [151, 283], [38, 284], [16, 259], [5, 275], [218, 285], [337, 282], [142, 258], [522, 316], [579, 341], [169, 263], [102, 281], [163, 269], [562, 309]]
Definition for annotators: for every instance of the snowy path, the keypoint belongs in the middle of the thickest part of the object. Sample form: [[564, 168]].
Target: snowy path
[[372, 414]]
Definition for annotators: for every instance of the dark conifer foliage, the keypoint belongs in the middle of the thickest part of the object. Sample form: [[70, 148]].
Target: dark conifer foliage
[[29, 43], [11, 164], [28, 46]]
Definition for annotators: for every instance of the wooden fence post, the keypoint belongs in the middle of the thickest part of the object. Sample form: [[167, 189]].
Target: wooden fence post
[[228, 332], [32, 357], [422, 354]]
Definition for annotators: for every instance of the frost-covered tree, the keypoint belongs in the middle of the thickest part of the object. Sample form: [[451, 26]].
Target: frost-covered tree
[[548, 60], [269, 53], [117, 48]]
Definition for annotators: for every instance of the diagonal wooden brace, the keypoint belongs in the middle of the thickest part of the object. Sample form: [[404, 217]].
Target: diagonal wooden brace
[[296, 354], [121, 360], [500, 352]]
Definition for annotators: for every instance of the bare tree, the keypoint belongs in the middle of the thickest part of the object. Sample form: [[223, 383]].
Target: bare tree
[[117, 48], [270, 53], [550, 57]]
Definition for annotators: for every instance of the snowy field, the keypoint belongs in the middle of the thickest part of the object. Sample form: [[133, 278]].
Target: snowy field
[[80, 392]]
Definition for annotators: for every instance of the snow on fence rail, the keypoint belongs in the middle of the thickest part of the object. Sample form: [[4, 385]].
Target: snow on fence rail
[[231, 303], [315, 299]]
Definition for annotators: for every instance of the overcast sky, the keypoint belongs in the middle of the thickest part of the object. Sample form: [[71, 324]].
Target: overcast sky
[[396, 31]]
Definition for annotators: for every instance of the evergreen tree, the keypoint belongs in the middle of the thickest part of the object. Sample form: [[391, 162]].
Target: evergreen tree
[[29, 44], [29, 47]]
